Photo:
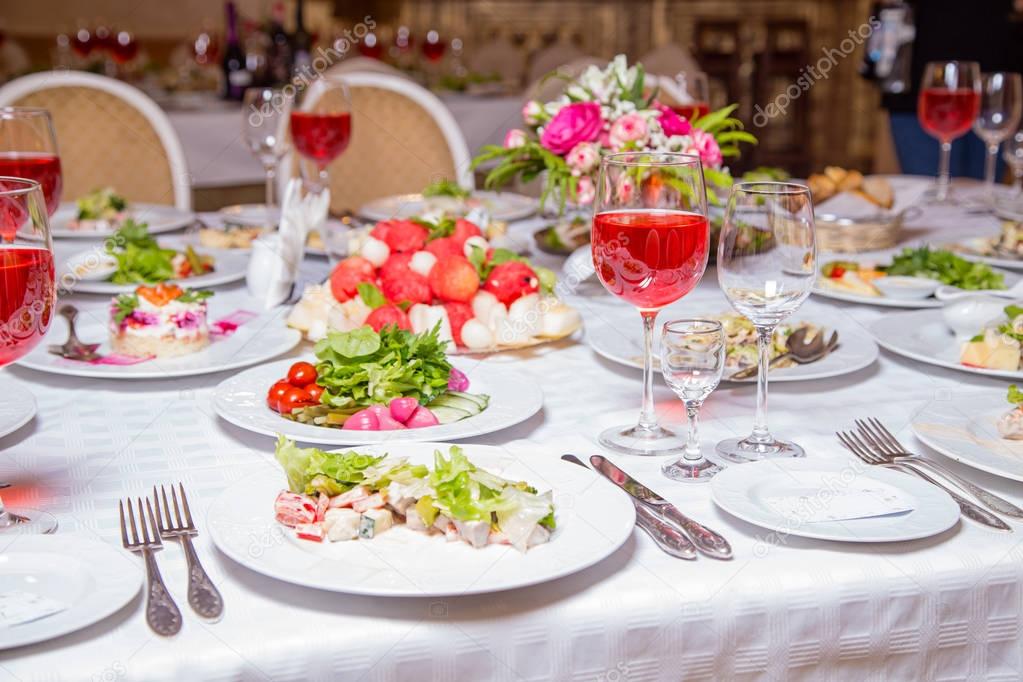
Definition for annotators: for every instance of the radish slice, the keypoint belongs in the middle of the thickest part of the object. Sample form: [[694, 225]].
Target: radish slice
[[363, 420], [385, 422], [402, 408], [457, 381], [420, 418]]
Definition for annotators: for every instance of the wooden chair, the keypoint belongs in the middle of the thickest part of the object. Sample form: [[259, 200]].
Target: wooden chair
[[545, 89], [108, 134], [403, 138]]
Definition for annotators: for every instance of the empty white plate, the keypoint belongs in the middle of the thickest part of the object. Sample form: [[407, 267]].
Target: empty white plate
[[160, 218]]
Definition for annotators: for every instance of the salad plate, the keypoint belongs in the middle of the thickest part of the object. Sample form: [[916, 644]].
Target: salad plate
[[501, 206], [830, 500], [17, 407], [259, 339], [77, 580], [161, 219], [924, 335], [593, 520], [971, 435], [511, 398], [611, 336]]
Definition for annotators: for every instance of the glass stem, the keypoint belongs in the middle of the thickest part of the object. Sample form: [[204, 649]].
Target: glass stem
[[6, 521], [990, 163], [1018, 179], [944, 165], [692, 452], [648, 416], [271, 176], [764, 339]]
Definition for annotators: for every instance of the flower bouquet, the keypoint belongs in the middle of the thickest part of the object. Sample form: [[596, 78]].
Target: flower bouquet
[[608, 110]]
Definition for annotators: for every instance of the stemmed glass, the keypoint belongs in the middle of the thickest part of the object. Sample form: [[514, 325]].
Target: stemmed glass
[[692, 361], [649, 241], [321, 125], [948, 103], [1012, 154], [695, 86], [265, 133], [28, 149], [1001, 103], [27, 298], [767, 261]]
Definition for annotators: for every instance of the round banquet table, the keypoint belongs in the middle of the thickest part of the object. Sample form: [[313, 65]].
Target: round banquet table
[[784, 608]]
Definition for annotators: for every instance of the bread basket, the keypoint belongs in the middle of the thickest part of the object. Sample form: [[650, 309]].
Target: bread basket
[[854, 235]]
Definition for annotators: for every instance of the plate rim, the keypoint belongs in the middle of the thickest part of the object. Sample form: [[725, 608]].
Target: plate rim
[[182, 220], [31, 412]]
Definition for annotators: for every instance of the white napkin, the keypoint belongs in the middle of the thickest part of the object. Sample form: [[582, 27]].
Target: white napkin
[[17, 607], [860, 500], [273, 266], [908, 192]]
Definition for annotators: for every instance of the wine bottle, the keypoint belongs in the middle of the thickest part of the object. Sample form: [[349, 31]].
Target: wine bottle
[[279, 53], [301, 42], [237, 77]]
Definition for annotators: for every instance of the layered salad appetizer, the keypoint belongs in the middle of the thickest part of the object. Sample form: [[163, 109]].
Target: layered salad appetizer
[[366, 380], [998, 344], [341, 496], [162, 321], [1010, 424], [418, 275], [99, 211]]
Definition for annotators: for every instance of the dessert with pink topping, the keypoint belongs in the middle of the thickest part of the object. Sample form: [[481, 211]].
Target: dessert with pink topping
[[163, 321]]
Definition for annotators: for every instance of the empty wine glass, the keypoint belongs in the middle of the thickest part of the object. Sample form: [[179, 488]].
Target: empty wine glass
[[692, 361], [767, 261], [1001, 103], [265, 129], [1012, 154]]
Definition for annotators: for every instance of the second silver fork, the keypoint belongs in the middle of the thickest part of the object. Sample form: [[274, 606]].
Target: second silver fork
[[162, 613], [203, 596]]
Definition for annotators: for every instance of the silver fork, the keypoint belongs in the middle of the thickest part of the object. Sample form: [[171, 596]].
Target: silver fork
[[969, 509], [885, 442], [203, 596], [162, 613]]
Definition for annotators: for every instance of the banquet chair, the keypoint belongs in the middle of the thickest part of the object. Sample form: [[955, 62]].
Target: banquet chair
[[360, 64], [669, 60], [545, 87], [108, 134], [550, 58], [499, 57], [403, 138]]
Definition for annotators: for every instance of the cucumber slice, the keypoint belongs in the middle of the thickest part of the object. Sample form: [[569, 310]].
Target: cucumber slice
[[477, 398], [448, 415], [449, 400]]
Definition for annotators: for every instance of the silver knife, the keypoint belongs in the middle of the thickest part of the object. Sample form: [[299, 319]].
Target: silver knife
[[706, 540], [670, 539]]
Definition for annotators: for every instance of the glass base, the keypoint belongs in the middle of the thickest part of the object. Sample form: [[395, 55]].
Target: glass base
[[742, 450], [691, 471], [645, 442], [29, 521]]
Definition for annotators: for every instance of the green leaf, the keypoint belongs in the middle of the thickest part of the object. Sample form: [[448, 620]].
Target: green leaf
[[356, 343], [1015, 395], [371, 295], [124, 305], [1012, 311], [195, 295]]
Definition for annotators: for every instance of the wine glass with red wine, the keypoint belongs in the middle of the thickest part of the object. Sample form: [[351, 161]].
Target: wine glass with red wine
[[949, 101], [650, 240], [27, 299], [28, 149], [321, 125], [696, 88]]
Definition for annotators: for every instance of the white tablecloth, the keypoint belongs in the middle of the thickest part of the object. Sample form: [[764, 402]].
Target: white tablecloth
[[785, 608]]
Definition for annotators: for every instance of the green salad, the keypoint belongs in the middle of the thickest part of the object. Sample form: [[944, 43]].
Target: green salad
[[101, 204], [946, 267], [141, 260]]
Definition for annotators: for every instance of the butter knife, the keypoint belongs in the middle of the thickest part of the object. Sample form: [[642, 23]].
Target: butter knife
[[671, 541], [706, 540]]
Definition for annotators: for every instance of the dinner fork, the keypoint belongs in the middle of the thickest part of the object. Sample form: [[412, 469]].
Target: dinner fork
[[971, 511], [203, 596], [887, 445], [162, 613]]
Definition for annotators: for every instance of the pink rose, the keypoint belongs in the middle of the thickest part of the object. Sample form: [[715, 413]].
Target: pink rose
[[585, 191], [574, 123], [629, 128], [672, 123], [706, 146], [514, 138], [583, 158], [532, 112]]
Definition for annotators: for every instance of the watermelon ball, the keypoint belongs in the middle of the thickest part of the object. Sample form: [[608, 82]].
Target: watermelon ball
[[512, 280], [386, 315], [453, 278], [347, 276], [444, 246], [396, 264], [401, 235], [465, 229], [407, 286], [458, 315]]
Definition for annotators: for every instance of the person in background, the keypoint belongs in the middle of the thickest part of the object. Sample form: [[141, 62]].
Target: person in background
[[988, 32]]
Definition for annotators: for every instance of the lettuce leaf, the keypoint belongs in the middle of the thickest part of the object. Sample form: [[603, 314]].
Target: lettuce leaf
[[311, 470]]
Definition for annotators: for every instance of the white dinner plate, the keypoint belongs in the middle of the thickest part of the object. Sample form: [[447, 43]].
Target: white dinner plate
[[92, 579], [973, 249], [241, 400], [923, 335], [892, 302], [229, 265], [250, 215], [962, 426], [260, 339], [619, 338], [505, 206], [593, 520], [745, 491], [160, 218], [17, 407]]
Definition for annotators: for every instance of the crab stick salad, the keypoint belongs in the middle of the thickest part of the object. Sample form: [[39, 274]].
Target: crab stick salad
[[341, 496]]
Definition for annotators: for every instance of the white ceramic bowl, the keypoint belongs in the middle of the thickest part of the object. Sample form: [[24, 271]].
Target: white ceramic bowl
[[899, 286]]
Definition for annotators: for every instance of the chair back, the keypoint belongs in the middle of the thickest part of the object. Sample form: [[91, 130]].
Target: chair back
[[669, 60], [547, 87], [108, 134]]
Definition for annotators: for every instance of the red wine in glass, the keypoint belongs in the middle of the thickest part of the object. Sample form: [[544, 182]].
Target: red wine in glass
[[948, 114], [125, 48], [82, 42], [650, 257], [433, 46], [692, 111], [26, 298], [321, 137], [41, 167]]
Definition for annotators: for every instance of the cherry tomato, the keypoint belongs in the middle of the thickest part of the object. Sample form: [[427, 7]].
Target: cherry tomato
[[314, 390], [295, 397], [276, 392], [301, 374], [837, 272]]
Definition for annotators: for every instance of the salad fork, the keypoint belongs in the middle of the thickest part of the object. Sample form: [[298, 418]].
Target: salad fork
[[971, 511], [162, 613], [73, 348], [888, 446], [203, 596]]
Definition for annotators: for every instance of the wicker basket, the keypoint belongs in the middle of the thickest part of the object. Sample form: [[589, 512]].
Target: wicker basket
[[854, 235]]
